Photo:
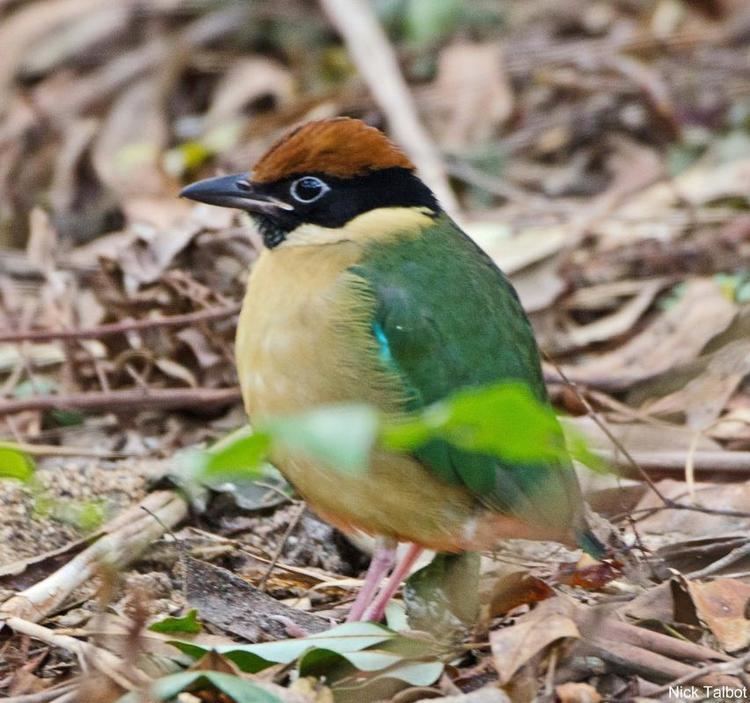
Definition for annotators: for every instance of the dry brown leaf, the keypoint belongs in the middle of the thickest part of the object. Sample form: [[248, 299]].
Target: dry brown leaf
[[128, 147], [488, 694], [704, 398], [671, 525], [474, 91], [539, 285], [514, 646], [245, 81], [619, 322], [722, 605], [28, 25], [636, 436], [511, 254], [676, 337], [577, 693]]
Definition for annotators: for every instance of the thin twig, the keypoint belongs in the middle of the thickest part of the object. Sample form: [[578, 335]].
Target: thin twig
[[376, 60], [603, 427], [282, 543], [108, 663], [56, 450], [125, 538], [120, 327], [731, 667], [735, 555], [43, 696], [131, 399]]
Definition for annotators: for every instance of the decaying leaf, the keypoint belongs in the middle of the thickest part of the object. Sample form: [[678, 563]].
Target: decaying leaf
[[678, 336], [723, 605], [514, 646]]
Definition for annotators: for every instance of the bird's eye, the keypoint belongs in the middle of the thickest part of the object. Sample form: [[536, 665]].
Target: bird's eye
[[308, 189]]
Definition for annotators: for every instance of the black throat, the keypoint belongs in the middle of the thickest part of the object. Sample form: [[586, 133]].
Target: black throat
[[348, 198]]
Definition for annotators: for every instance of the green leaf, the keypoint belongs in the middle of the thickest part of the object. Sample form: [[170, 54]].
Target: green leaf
[[341, 436], [187, 623], [240, 456], [238, 689], [428, 21], [503, 420], [14, 464], [443, 597], [344, 639]]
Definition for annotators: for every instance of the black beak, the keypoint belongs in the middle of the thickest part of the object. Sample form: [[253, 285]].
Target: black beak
[[233, 191]]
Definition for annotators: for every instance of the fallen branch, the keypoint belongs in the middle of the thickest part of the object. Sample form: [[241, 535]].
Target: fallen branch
[[124, 540], [713, 462], [100, 331], [131, 399], [108, 663], [376, 61]]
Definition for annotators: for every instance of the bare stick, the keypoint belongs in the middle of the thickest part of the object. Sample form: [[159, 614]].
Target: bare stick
[[121, 327], [731, 463], [131, 399], [282, 542], [104, 660], [376, 61], [128, 535], [603, 427], [737, 666]]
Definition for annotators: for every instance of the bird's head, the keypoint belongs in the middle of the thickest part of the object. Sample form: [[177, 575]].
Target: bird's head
[[318, 178]]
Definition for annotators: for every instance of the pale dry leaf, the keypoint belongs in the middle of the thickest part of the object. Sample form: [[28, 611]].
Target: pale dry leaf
[[734, 425], [177, 371], [75, 38], [245, 81], [128, 147], [154, 251], [658, 211], [29, 24], [488, 694], [42, 243], [635, 436], [530, 245], [572, 692], [704, 398], [514, 646], [619, 322], [539, 285], [674, 338], [667, 525], [722, 605], [472, 92]]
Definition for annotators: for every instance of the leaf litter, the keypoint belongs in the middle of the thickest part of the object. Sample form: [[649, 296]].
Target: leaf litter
[[600, 155]]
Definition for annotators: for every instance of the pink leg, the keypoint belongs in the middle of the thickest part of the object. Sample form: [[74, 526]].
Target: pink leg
[[381, 563], [377, 608]]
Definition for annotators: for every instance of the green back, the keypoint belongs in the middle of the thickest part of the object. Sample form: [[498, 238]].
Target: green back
[[447, 319]]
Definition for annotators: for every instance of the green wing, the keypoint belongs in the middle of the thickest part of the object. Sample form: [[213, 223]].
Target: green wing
[[447, 319]]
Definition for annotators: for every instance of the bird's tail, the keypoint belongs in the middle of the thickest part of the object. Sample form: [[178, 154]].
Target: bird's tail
[[590, 543]]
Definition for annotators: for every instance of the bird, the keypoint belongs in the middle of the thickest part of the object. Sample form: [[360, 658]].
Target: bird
[[367, 291]]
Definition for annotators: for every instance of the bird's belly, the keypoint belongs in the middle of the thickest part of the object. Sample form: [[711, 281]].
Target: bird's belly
[[300, 351]]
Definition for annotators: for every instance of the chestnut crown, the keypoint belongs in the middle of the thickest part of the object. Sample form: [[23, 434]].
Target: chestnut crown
[[326, 173]]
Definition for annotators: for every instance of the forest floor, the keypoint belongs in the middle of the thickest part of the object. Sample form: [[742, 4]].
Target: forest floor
[[599, 152]]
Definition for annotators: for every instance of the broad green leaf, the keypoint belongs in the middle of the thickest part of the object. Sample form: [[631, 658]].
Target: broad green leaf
[[430, 20], [340, 436], [443, 597], [84, 515], [241, 455], [187, 623], [344, 639], [239, 690], [15, 464], [505, 420]]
